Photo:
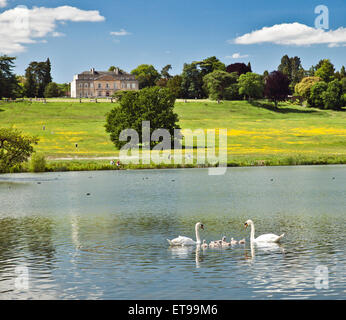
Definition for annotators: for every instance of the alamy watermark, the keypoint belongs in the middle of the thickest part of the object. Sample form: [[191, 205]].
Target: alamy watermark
[[322, 20], [321, 277], [21, 281], [210, 147]]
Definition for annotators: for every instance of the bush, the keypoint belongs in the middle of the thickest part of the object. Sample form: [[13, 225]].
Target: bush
[[38, 163], [315, 99], [332, 97]]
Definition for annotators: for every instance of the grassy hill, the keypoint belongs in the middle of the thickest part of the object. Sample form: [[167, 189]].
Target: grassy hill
[[257, 133]]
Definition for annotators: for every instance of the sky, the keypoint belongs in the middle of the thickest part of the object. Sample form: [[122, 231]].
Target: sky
[[79, 35]]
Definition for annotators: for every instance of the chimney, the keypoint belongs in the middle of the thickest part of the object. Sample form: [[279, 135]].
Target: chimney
[[116, 70], [92, 70]]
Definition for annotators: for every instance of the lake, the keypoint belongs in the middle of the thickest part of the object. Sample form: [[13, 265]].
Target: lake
[[102, 235]]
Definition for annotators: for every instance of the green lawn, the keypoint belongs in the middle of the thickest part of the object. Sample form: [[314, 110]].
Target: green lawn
[[257, 133]]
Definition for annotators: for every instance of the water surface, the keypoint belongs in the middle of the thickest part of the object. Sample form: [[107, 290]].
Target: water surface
[[102, 235]]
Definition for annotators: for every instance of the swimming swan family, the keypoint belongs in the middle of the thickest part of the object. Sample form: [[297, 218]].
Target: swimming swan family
[[185, 241]]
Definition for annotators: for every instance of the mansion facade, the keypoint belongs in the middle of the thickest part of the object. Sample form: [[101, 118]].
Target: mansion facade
[[101, 84]]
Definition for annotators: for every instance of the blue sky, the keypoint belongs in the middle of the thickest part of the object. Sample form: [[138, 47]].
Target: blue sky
[[173, 32]]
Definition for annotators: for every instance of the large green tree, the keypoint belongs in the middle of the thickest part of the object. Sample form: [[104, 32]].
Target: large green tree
[[316, 95], [251, 85], [15, 148], [192, 81], [332, 97], [8, 80], [220, 84], [146, 75], [292, 68], [303, 87], [38, 76], [325, 71], [174, 85], [152, 104]]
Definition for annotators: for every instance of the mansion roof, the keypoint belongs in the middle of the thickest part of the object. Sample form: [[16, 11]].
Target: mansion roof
[[93, 75]]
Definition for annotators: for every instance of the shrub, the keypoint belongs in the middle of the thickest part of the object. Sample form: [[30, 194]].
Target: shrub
[[315, 99], [38, 163]]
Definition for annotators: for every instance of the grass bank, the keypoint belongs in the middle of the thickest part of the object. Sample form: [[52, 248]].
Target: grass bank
[[258, 133]]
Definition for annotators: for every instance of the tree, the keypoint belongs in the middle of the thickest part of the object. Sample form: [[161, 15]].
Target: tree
[[251, 85], [38, 77], [325, 71], [146, 75], [343, 84], [315, 99], [192, 81], [8, 80], [211, 64], [292, 68], [220, 84], [332, 97], [30, 83], [276, 87], [240, 68], [164, 72], [52, 90], [15, 148], [174, 85], [303, 87], [113, 68], [342, 72], [153, 104]]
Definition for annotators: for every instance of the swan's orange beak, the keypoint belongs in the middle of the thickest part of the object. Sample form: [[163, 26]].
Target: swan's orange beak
[[202, 226], [245, 225]]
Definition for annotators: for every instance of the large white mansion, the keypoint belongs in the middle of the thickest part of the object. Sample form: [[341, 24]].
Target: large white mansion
[[94, 84]]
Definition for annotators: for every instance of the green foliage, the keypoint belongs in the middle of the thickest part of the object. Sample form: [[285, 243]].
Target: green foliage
[[38, 76], [52, 90], [343, 84], [15, 148], [174, 86], [325, 71], [153, 104], [38, 163], [315, 99], [119, 94], [292, 68], [219, 84], [303, 87], [192, 82], [211, 64], [332, 97], [251, 85], [8, 80], [146, 75], [164, 72]]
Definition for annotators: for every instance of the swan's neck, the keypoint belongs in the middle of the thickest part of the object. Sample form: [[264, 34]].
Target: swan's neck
[[252, 234], [198, 239]]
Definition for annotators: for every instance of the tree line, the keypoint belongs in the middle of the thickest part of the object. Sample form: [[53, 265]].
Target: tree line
[[320, 86], [210, 78], [37, 81]]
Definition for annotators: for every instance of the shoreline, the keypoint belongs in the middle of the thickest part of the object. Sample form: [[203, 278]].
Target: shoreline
[[102, 165]]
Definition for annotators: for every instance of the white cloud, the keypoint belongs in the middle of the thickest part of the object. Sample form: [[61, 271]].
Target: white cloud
[[58, 34], [20, 26], [120, 33], [293, 34], [237, 56], [3, 3]]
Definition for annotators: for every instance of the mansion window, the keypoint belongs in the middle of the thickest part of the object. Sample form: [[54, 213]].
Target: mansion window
[[100, 86], [129, 86], [133, 86], [107, 85]]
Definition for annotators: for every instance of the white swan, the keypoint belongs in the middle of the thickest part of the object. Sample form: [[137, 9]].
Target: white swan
[[185, 241], [269, 237]]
